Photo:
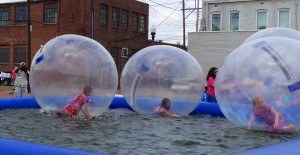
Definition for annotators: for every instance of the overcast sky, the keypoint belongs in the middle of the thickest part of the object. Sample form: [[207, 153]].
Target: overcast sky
[[166, 16]]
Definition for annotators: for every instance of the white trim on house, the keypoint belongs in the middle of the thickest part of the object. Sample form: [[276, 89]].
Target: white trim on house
[[211, 14], [229, 23], [261, 10], [284, 9]]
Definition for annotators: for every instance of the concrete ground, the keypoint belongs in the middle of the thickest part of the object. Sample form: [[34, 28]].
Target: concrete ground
[[7, 91]]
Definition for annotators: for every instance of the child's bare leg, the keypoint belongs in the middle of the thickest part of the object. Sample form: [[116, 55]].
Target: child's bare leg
[[288, 128]]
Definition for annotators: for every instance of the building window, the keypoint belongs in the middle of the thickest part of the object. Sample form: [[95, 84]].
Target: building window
[[19, 54], [50, 13], [234, 21], [21, 15], [284, 18], [4, 55], [115, 17], [216, 22], [262, 20], [115, 55], [124, 19], [103, 14], [143, 23], [4, 16], [135, 17]]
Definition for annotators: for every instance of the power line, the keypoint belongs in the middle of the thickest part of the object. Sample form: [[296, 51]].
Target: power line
[[168, 16]]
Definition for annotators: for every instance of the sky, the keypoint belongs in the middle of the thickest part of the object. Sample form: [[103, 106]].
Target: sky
[[166, 16]]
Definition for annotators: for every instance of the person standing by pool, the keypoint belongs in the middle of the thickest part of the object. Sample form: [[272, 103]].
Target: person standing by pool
[[163, 109], [210, 81], [21, 81], [274, 120], [13, 76], [82, 99]]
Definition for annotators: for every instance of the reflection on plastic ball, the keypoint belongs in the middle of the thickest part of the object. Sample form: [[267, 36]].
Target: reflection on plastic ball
[[65, 65], [275, 32], [159, 72], [267, 68]]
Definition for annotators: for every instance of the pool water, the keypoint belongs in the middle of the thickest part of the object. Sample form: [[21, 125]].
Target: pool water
[[121, 131]]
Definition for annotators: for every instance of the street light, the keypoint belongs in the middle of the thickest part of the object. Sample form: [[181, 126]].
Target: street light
[[153, 32]]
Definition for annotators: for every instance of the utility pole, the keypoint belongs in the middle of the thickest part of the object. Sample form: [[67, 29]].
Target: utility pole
[[183, 19], [197, 20], [28, 34], [92, 20], [58, 17]]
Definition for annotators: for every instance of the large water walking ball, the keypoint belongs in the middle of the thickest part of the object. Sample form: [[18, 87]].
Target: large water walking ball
[[65, 65], [267, 67], [159, 72], [275, 32]]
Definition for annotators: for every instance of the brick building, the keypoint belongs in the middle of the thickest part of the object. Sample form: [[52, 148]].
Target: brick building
[[121, 26]]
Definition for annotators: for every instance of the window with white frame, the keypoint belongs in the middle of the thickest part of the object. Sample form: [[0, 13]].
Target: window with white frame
[[261, 20], [284, 18], [216, 22], [234, 21]]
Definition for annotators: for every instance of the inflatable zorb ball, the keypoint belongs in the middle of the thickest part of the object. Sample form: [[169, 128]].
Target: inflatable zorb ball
[[159, 72], [267, 68], [65, 65], [275, 32]]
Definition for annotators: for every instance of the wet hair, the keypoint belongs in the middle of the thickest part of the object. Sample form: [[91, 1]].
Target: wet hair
[[254, 102], [211, 73], [87, 89], [165, 102]]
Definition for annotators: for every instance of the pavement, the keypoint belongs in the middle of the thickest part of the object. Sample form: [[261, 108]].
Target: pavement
[[6, 91]]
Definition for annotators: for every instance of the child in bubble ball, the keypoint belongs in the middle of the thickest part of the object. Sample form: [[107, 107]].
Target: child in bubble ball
[[274, 120], [163, 109], [82, 99]]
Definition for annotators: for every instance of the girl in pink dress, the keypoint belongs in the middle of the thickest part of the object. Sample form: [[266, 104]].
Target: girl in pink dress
[[274, 120], [82, 99]]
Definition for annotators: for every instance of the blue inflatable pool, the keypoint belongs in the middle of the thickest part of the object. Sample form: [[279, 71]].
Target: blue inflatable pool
[[118, 102], [9, 146]]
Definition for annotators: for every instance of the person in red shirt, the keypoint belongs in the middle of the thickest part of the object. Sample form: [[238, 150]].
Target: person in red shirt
[[82, 99], [13, 76], [210, 81]]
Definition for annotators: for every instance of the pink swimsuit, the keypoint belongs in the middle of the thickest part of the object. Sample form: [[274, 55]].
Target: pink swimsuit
[[74, 107], [267, 116]]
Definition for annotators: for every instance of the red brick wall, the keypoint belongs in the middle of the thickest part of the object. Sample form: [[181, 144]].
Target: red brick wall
[[74, 18]]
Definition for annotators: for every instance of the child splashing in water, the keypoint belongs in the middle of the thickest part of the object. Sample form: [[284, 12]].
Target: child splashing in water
[[82, 99], [274, 120], [163, 110]]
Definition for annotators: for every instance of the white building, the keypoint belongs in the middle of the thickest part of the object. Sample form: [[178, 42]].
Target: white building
[[227, 23]]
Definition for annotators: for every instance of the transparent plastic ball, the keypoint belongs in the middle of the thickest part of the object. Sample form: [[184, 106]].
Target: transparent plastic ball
[[158, 72], [65, 65], [267, 68], [275, 32]]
